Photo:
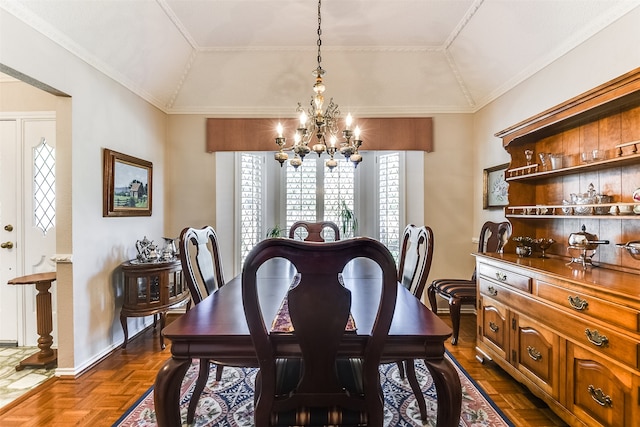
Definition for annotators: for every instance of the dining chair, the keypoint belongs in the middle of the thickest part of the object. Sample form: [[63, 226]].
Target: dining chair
[[202, 270], [416, 255], [314, 231], [317, 387], [493, 237]]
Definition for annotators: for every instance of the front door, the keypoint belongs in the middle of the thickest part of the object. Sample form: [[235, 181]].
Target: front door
[[27, 219]]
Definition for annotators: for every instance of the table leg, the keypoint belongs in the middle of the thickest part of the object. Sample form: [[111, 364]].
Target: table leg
[[46, 357], [166, 396], [448, 390]]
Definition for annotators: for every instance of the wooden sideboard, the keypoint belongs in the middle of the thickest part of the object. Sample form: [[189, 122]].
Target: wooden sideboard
[[571, 331], [571, 335], [152, 288]]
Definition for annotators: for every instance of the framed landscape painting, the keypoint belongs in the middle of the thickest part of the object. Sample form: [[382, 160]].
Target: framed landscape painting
[[126, 185], [496, 188]]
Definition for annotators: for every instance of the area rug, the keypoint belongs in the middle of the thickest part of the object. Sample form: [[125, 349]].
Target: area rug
[[229, 402]]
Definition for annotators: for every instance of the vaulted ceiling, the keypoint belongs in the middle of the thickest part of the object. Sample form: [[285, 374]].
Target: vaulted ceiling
[[255, 57]]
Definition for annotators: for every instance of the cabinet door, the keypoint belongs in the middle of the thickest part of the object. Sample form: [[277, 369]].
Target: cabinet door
[[534, 353], [600, 392], [494, 331]]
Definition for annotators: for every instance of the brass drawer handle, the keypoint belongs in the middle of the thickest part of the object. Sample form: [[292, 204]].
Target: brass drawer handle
[[492, 291], [533, 353], [595, 338], [578, 303], [598, 395], [501, 276], [493, 327]]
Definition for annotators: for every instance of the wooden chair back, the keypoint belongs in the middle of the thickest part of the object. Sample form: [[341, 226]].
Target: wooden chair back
[[493, 237], [416, 255], [201, 263], [315, 231], [319, 307]]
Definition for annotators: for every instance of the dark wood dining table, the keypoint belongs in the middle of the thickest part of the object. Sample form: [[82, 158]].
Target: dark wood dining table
[[216, 329]]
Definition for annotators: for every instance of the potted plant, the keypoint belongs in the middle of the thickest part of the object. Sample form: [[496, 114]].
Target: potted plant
[[348, 221], [275, 231]]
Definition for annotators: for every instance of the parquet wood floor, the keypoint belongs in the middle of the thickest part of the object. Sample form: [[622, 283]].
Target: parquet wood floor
[[101, 395]]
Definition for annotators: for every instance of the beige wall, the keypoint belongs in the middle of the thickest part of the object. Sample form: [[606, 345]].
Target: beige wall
[[190, 184], [448, 182]]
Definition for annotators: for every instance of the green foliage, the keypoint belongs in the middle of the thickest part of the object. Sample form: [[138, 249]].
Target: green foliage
[[348, 221], [275, 231]]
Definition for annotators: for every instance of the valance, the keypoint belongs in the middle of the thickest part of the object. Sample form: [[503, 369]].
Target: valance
[[258, 134]]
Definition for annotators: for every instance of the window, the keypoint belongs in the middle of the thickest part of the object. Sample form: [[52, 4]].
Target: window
[[268, 196], [389, 201], [315, 193], [251, 201]]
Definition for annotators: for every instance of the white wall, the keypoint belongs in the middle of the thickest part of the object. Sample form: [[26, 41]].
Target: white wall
[[103, 115]]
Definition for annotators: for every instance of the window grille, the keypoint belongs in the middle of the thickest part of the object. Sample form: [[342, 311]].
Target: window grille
[[301, 192], [251, 202], [314, 193], [389, 201]]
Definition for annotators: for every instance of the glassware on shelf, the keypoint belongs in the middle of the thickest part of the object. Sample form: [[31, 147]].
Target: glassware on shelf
[[556, 160], [544, 160], [528, 154], [544, 244]]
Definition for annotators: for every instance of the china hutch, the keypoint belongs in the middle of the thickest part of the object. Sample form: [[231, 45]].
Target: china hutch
[[570, 330]]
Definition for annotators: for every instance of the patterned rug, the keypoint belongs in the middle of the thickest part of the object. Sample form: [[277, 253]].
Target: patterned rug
[[229, 402]]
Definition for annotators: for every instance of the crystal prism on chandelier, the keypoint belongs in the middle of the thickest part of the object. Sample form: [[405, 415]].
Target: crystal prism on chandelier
[[321, 123]]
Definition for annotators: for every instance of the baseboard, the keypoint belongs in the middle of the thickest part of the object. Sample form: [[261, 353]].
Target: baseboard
[[73, 373]]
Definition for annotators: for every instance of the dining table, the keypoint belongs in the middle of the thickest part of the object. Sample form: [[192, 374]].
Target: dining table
[[216, 329]]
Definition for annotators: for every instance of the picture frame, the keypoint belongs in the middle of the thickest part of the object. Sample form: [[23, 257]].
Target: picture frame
[[495, 187], [127, 185]]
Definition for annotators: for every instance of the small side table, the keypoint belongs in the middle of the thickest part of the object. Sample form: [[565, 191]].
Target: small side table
[[47, 357], [152, 288]]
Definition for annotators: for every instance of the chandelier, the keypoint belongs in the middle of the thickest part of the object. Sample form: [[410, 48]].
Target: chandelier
[[321, 123]]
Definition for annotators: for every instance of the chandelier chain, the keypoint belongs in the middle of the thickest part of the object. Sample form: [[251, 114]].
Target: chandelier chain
[[319, 35]]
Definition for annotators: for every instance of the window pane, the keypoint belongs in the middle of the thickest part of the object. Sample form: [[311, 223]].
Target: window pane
[[250, 202], [44, 190], [339, 192], [314, 193], [389, 198], [301, 192]]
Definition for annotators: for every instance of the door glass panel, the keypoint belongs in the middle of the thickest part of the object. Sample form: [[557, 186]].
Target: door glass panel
[[44, 190]]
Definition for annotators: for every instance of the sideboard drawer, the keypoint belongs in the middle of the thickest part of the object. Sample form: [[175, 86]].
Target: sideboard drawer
[[601, 340], [495, 291], [506, 277], [591, 306]]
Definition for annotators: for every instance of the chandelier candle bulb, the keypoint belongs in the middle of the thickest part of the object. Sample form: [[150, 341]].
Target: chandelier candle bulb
[[348, 121]]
